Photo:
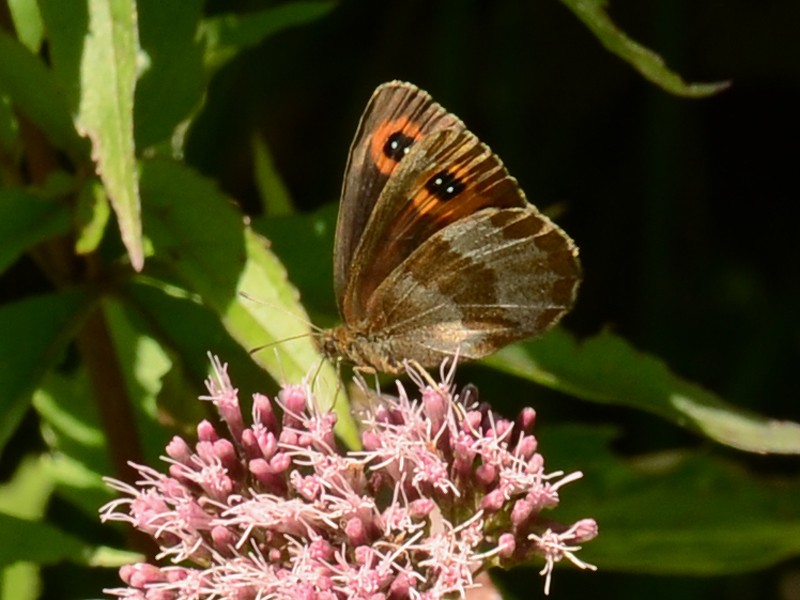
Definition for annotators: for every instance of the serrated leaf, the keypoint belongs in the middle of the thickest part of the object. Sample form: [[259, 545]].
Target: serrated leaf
[[35, 332], [227, 35], [26, 220], [311, 272], [647, 62], [196, 231], [605, 368], [105, 114]]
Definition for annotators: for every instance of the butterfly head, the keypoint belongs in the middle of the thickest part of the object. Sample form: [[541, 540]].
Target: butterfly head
[[365, 351]]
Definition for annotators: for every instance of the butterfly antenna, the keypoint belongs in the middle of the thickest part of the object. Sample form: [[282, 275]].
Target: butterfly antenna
[[315, 380], [261, 347], [339, 380]]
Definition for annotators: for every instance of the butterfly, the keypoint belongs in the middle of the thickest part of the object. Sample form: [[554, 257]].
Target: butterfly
[[437, 252]]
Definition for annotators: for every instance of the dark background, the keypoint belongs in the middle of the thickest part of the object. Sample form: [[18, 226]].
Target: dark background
[[684, 210]]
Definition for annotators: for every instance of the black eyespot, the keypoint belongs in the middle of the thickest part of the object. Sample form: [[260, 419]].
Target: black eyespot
[[398, 145], [444, 185]]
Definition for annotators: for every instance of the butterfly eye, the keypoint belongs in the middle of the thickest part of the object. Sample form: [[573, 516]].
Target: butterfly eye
[[397, 145], [445, 185]]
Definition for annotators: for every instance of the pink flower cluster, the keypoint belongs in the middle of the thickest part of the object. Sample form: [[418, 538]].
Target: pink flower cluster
[[442, 489]]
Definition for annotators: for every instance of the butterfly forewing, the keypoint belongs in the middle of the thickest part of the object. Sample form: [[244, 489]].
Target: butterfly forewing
[[397, 116], [447, 176]]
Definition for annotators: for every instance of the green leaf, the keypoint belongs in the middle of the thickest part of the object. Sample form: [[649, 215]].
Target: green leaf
[[274, 196], [607, 369], [23, 501], [26, 220], [173, 84], [672, 513], [311, 272], [9, 129], [92, 217], [196, 231], [35, 332], [647, 62], [180, 322], [27, 23], [24, 496], [21, 581], [66, 24], [227, 35], [27, 493], [105, 114], [38, 542], [145, 367], [71, 426], [112, 557], [36, 93]]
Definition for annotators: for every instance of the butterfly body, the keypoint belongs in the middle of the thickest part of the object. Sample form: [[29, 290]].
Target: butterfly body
[[437, 251]]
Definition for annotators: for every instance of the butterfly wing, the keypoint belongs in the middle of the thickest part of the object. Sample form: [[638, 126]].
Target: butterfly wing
[[446, 177], [454, 257], [397, 116], [495, 277]]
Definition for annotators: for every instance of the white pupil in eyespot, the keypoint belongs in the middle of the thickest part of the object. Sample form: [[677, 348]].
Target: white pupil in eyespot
[[397, 145], [439, 181], [394, 145]]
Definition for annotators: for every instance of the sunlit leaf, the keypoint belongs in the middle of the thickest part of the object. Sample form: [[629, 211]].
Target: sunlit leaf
[[196, 231], [607, 369], [105, 114], [35, 332]]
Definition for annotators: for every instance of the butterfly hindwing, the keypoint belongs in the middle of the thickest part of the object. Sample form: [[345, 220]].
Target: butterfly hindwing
[[502, 274]]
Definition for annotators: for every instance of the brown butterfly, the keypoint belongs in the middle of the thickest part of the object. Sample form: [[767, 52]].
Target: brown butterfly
[[437, 250]]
